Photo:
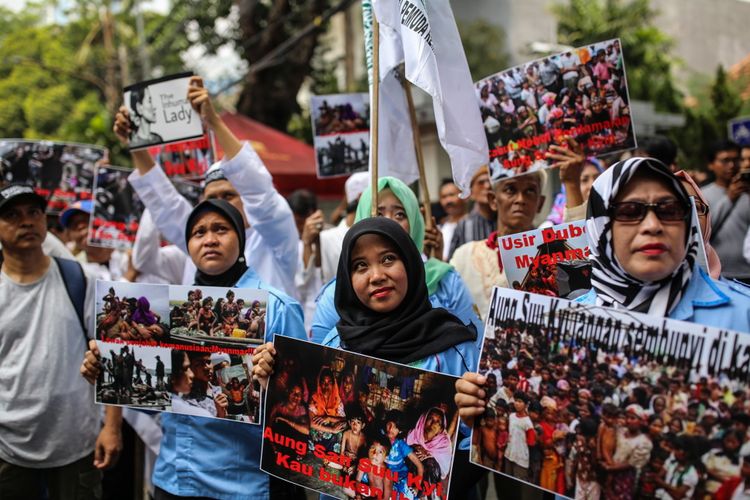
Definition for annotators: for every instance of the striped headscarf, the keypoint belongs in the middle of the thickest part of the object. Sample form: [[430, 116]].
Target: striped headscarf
[[613, 285]]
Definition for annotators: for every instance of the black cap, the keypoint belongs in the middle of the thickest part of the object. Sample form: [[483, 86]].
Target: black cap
[[16, 192]]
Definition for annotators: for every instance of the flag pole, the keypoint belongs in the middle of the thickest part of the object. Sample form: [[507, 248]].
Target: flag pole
[[374, 114], [420, 158]]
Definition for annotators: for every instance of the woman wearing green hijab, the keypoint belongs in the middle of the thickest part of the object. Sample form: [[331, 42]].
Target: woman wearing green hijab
[[445, 287]]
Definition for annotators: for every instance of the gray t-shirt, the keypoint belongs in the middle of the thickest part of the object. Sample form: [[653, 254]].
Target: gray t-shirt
[[47, 412], [732, 221]]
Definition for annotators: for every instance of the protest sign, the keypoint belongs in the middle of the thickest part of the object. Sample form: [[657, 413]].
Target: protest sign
[[345, 424], [549, 261], [160, 112], [63, 173], [581, 93], [561, 373], [739, 130], [151, 361], [118, 209], [189, 159], [341, 133]]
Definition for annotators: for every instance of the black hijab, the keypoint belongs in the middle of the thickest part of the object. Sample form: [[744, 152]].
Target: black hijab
[[232, 275], [412, 331]]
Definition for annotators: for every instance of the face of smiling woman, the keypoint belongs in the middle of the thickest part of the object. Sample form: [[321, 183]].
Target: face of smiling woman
[[378, 273], [214, 245]]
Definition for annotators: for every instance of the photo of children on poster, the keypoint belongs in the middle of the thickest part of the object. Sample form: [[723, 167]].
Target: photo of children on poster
[[581, 93], [160, 112], [118, 210], [146, 367], [62, 173], [351, 426], [587, 401], [341, 133], [549, 261]]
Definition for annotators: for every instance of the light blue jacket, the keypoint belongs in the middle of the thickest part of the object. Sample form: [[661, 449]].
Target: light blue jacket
[[214, 458], [452, 295], [721, 304]]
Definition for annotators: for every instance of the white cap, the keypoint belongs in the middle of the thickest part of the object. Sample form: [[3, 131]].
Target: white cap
[[355, 185], [218, 357]]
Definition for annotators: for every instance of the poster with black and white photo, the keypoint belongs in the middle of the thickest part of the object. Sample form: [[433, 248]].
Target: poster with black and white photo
[[583, 398], [148, 364], [160, 112], [118, 209], [349, 425], [63, 173], [341, 133]]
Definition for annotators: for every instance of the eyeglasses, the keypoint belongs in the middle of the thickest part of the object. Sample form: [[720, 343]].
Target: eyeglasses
[[635, 211], [701, 208]]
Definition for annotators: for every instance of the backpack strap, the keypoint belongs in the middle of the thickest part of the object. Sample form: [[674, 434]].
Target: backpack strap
[[75, 284]]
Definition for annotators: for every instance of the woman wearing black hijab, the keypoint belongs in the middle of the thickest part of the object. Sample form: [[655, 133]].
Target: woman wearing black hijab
[[214, 235]]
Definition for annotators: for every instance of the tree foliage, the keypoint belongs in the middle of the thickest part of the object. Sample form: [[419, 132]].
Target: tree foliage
[[646, 48], [484, 45]]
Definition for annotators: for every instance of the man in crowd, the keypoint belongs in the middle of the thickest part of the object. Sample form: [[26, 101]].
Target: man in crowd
[[203, 394], [50, 437], [455, 210], [480, 222], [241, 179], [729, 204]]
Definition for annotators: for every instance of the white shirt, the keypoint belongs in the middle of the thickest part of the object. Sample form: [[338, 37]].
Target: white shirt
[[447, 228], [330, 249], [155, 263], [271, 246], [308, 281], [518, 450]]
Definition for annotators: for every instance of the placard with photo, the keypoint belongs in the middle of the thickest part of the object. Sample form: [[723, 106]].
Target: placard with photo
[[341, 133]]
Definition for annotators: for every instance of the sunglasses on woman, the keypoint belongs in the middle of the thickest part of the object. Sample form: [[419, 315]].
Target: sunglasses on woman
[[635, 211]]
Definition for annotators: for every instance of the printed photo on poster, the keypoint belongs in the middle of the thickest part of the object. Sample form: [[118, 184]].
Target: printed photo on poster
[[229, 317], [583, 400], [581, 93], [61, 172], [160, 112], [189, 159], [351, 426], [134, 376], [118, 209], [341, 133], [549, 261], [132, 311], [145, 368]]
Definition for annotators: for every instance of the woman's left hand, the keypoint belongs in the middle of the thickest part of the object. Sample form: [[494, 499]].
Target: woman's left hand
[[201, 101], [433, 241], [263, 361]]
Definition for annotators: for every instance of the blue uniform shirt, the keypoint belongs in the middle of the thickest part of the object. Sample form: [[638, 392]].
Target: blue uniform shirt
[[215, 458]]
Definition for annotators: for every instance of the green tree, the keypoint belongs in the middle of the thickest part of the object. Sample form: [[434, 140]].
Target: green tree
[[646, 48], [484, 45]]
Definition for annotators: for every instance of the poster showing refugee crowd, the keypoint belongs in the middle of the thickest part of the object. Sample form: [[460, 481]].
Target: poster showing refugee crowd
[[585, 398], [118, 210], [341, 133], [549, 261], [581, 93], [352, 426], [62, 173], [183, 349]]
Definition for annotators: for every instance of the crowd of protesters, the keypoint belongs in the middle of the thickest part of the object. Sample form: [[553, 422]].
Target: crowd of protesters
[[575, 421]]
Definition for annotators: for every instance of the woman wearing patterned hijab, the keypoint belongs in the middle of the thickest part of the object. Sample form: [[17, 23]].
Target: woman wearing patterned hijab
[[644, 250]]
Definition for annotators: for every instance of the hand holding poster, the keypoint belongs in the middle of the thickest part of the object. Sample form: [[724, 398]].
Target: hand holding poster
[[582, 93], [341, 133], [549, 261], [348, 425], [150, 360], [160, 112], [569, 383], [62, 173]]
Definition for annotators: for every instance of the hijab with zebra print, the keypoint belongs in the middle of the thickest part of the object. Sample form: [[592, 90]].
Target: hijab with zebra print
[[614, 286]]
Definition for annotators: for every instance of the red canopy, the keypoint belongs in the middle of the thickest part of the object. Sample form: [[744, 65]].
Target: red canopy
[[291, 162]]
